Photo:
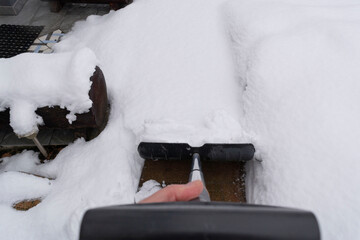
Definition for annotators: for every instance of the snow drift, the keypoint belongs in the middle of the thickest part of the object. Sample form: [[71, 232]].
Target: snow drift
[[170, 76], [30, 81], [298, 63]]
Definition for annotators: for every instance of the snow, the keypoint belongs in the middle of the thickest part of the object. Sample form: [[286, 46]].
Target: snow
[[147, 189], [170, 76], [173, 81], [20, 162], [13, 184], [30, 81], [280, 74], [300, 62]]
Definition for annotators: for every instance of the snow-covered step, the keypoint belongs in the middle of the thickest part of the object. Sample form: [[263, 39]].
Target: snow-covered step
[[56, 129]]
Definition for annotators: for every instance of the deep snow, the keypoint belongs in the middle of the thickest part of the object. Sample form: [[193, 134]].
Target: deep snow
[[300, 62], [170, 76], [281, 74]]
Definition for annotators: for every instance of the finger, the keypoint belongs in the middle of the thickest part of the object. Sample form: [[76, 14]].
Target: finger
[[187, 192], [174, 193]]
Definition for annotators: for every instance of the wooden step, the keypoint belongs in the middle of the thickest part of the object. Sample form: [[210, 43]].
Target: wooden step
[[225, 181]]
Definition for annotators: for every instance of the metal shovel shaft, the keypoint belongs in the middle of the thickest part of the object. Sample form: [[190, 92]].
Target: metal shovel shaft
[[196, 174]]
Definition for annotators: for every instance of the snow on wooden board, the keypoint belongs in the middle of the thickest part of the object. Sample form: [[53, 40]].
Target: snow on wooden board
[[30, 81]]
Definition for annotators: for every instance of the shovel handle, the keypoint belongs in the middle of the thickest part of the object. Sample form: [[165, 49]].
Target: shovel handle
[[203, 197], [196, 174]]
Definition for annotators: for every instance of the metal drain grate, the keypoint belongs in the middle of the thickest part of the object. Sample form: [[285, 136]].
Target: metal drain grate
[[16, 39]]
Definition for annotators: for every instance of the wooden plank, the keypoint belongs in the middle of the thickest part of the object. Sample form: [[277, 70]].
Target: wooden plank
[[56, 5], [12, 140], [225, 181], [62, 137], [26, 204]]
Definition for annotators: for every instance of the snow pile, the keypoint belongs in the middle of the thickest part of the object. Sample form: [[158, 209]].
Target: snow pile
[[30, 81], [20, 162], [13, 184], [170, 76], [147, 189], [298, 62], [169, 67]]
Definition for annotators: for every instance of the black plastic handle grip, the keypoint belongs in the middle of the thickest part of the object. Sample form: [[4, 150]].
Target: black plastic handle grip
[[199, 220]]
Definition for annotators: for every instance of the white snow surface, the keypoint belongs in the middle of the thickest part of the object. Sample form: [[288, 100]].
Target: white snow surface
[[170, 77], [169, 69], [17, 186], [299, 64], [30, 81], [280, 74], [147, 189]]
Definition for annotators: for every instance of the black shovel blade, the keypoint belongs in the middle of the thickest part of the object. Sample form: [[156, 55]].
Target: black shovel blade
[[208, 152], [164, 151], [227, 152]]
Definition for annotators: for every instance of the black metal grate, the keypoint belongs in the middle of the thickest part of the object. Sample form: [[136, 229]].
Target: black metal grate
[[16, 39]]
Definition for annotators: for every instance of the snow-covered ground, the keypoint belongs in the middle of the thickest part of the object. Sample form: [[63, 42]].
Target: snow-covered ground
[[281, 74], [300, 63]]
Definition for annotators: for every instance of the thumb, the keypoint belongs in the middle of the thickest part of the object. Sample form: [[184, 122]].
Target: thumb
[[173, 193]]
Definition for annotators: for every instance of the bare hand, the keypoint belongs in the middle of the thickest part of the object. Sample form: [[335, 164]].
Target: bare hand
[[176, 192]]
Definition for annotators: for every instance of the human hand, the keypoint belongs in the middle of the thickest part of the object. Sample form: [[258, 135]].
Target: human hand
[[176, 192]]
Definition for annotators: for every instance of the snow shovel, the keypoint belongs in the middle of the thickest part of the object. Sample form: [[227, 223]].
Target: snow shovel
[[200, 218]]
